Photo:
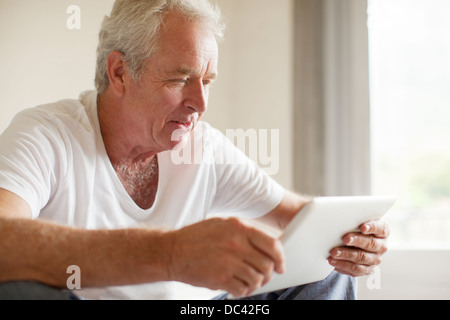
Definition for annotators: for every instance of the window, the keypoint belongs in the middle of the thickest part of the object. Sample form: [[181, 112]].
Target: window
[[409, 51]]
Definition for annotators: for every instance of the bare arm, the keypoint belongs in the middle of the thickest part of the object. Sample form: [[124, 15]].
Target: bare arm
[[42, 251], [290, 205], [221, 254]]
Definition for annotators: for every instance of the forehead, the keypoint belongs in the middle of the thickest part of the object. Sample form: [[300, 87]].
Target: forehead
[[185, 45]]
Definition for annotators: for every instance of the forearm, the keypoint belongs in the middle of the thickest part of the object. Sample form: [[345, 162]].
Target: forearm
[[41, 251], [280, 217]]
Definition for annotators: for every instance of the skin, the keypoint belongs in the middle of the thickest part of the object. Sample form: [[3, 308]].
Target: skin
[[137, 121]]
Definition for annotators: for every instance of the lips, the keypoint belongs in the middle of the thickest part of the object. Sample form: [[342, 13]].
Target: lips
[[187, 123], [184, 125]]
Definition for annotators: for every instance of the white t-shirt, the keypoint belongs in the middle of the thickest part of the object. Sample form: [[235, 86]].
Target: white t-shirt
[[53, 157]]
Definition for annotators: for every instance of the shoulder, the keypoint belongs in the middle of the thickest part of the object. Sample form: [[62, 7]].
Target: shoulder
[[54, 131], [67, 112], [61, 118]]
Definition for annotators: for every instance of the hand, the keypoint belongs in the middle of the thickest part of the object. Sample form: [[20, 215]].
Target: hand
[[363, 251], [225, 254]]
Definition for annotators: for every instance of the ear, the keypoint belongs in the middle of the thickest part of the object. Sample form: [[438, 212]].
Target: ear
[[116, 72]]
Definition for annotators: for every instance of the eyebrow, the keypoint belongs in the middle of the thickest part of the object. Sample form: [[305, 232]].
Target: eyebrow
[[184, 70]]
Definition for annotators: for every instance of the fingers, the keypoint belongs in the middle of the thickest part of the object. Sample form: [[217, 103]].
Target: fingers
[[363, 251], [224, 254], [356, 256], [377, 228], [260, 259], [354, 262], [350, 268], [270, 248], [366, 242], [238, 288], [230, 255], [244, 281]]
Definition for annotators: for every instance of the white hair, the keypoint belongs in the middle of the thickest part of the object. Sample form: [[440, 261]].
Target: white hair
[[133, 28]]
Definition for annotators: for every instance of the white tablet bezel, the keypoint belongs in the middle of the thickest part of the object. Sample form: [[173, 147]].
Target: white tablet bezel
[[318, 228]]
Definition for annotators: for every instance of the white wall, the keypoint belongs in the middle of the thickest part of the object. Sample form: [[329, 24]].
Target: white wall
[[40, 58], [254, 90], [409, 275]]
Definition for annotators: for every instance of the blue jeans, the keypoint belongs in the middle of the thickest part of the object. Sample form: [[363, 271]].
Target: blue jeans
[[334, 287], [27, 290]]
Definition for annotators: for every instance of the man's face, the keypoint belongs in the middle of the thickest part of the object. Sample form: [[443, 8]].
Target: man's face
[[173, 92]]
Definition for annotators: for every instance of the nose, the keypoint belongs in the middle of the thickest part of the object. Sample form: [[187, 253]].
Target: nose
[[197, 97]]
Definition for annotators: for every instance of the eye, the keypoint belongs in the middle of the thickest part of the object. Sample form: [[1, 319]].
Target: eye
[[207, 83], [182, 81], [178, 82]]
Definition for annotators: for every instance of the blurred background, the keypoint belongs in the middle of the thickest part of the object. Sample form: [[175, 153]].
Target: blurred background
[[358, 91]]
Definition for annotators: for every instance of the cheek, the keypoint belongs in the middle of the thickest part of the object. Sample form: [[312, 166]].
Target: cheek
[[173, 97], [165, 111], [161, 108], [170, 108]]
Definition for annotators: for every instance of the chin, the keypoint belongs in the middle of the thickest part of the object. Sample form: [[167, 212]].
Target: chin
[[178, 145], [179, 138]]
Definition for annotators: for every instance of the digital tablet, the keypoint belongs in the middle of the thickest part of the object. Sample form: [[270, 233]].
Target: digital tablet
[[318, 228]]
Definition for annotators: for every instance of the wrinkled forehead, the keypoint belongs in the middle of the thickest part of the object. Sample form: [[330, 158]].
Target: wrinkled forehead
[[185, 46], [186, 33]]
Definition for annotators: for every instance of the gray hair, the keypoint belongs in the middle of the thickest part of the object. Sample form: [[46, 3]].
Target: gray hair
[[133, 28]]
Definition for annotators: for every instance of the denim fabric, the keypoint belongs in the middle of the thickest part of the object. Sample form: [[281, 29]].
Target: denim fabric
[[27, 290], [335, 287]]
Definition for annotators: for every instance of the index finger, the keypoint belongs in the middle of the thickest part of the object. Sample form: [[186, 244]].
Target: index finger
[[270, 247], [377, 228]]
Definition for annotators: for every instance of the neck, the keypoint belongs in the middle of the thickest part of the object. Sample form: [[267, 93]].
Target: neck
[[117, 135]]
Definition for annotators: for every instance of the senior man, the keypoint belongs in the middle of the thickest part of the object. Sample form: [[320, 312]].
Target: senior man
[[91, 182]]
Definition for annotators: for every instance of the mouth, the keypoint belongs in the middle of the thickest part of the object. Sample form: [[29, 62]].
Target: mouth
[[184, 125]]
